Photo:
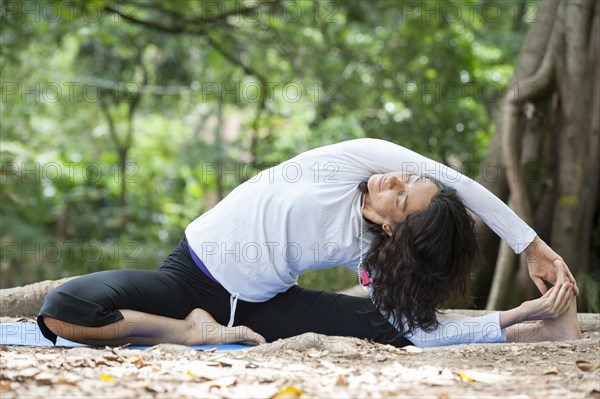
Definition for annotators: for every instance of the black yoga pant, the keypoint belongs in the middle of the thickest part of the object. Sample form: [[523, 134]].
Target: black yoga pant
[[179, 286]]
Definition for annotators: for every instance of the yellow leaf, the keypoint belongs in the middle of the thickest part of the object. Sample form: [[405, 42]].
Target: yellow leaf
[[189, 373], [480, 376], [106, 377], [287, 393]]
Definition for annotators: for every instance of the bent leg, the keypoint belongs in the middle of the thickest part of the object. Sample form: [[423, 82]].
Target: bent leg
[[139, 328], [143, 307], [136, 328], [96, 300], [140, 307]]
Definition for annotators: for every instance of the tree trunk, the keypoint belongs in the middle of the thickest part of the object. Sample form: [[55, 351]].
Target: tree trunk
[[579, 158], [497, 182], [26, 301], [488, 240], [548, 127]]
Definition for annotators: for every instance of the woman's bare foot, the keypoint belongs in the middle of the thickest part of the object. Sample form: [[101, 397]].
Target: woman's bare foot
[[205, 330], [547, 319], [563, 328]]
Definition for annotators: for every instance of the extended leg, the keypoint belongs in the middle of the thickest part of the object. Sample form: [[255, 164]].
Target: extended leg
[[552, 317], [301, 310]]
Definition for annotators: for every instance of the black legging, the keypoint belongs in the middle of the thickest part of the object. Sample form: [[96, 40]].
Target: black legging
[[179, 286]]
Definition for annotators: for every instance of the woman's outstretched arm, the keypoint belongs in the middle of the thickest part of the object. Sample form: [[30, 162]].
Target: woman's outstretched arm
[[383, 157]]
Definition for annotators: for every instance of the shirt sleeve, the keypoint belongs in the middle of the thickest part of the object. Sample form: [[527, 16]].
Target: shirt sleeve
[[454, 330], [381, 156], [460, 330]]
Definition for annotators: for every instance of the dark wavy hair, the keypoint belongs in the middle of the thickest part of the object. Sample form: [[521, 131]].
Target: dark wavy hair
[[428, 258]]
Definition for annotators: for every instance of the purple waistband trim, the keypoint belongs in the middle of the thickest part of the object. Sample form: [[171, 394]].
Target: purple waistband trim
[[201, 265]]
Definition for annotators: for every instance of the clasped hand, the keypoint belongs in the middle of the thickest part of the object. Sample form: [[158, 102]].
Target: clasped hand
[[542, 265], [553, 304]]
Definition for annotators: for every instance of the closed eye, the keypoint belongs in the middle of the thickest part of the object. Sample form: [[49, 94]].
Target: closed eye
[[398, 197], [406, 181]]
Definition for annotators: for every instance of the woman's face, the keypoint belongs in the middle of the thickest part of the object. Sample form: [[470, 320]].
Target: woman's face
[[393, 196]]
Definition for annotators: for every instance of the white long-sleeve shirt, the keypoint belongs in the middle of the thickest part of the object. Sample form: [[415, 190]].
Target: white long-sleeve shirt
[[305, 214]]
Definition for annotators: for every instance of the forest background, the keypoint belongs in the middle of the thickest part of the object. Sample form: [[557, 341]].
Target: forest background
[[122, 121]]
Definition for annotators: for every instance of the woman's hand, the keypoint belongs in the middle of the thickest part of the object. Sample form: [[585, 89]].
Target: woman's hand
[[542, 263], [551, 305]]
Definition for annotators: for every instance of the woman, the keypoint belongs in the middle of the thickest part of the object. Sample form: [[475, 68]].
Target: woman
[[238, 263]]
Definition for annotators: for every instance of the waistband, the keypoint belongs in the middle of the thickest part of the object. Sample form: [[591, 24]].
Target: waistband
[[233, 299], [201, 265]]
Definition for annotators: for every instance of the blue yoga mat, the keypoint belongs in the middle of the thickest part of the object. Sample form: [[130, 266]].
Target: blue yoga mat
[[28, 334]]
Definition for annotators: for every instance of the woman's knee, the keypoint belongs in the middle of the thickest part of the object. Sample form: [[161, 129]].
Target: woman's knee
[[71, 305], [56, 326]]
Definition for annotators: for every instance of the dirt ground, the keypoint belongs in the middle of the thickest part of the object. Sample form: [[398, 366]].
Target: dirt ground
[[307, 366]]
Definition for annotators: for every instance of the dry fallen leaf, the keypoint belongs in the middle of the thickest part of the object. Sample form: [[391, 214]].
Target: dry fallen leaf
[[412, 349], [4, 386], [136, 361], [219, 382], [29, 372], [315, 353], [552, 371], [341, 381], [584, 365], [362, 372], [45, 378]]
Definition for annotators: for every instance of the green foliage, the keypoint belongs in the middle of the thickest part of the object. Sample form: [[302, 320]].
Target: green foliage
[[238, 92], [334, 279]]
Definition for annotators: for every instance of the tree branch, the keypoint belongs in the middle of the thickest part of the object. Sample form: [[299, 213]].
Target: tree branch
[[234, 59], [148, 24], [183, 28], [182, 24], [218, 18], [534, 85], [111, 124], [137, 98]]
